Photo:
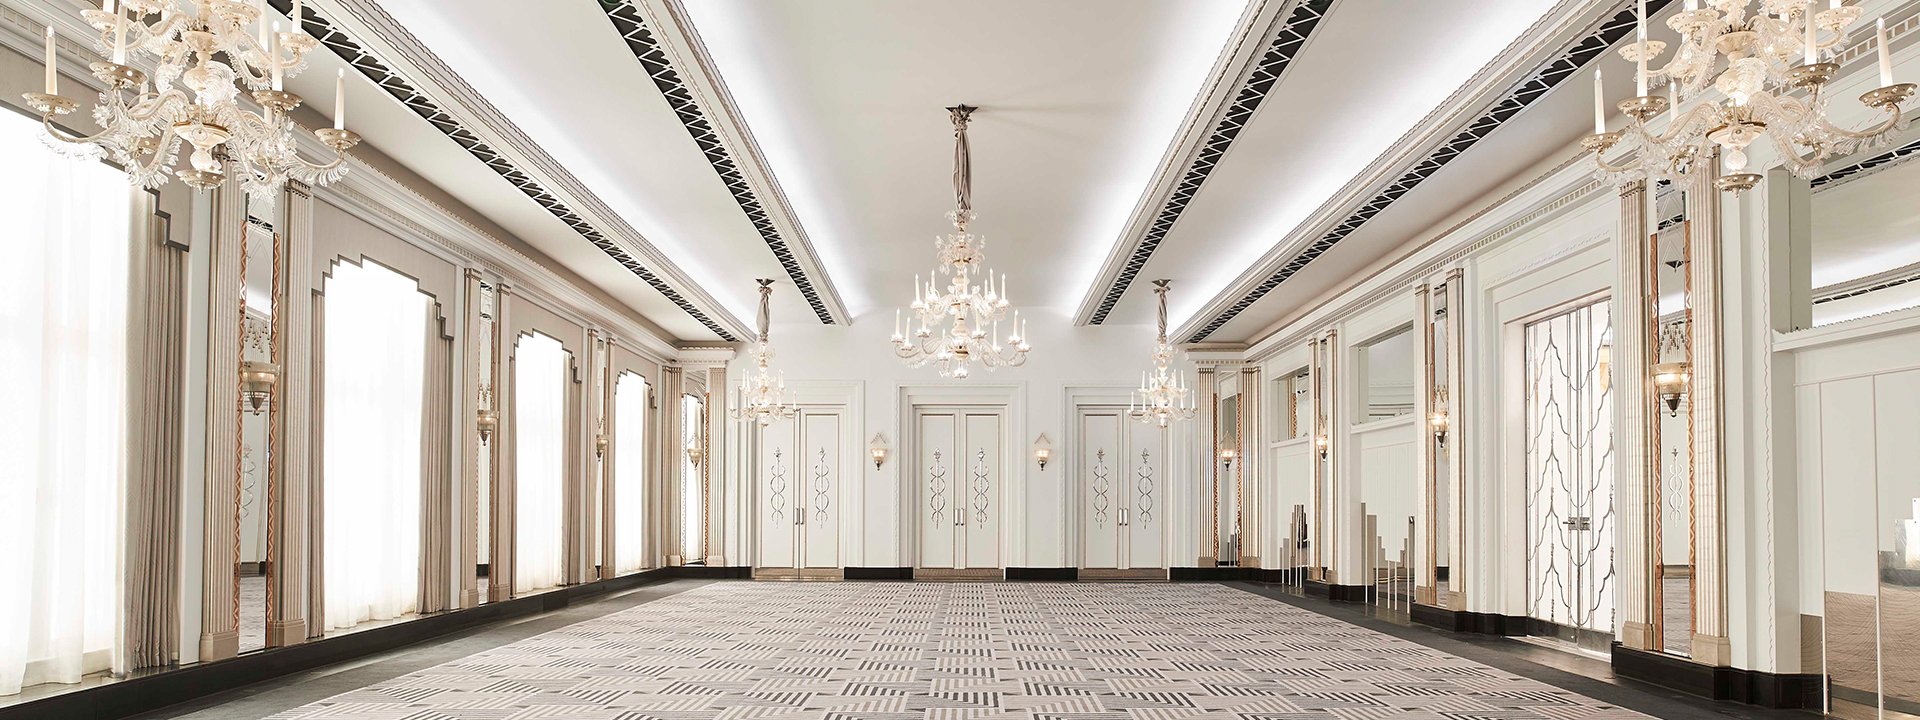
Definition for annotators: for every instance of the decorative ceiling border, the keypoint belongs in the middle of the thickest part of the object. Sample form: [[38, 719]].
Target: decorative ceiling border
[[1868, 166], [404, 91], [1257, 81], [1517, 98], [631, 24]]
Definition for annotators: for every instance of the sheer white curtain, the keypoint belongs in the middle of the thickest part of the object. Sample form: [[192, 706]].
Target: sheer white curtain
[[375, 369], [63, 355], [693, 518], [630, 474], [539, 437]]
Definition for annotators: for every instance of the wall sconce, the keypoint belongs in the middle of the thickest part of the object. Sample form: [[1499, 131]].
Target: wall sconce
[[1439, 423], [600, 440], [1042, 450], [694, 453], [256, 384], [1670, 382], [1227, 455], [878, 449], [486, 420], [1322, 443]]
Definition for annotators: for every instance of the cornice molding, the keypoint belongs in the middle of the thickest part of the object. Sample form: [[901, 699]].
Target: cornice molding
[[390, 57], [668, 49], [1270, 35], [704, 358], [1431, 145]]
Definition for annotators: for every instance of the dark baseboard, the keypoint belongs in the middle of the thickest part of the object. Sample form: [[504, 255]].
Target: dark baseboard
[[1350, 593], [1751, 687], [163, 688], [711, 572], [1044, 574], [1469, 622], [1207, 574], [879, 573]]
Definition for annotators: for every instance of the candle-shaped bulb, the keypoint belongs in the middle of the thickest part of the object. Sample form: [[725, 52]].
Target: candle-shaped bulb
[[340, 100], [1599, 106], [53, 73], [273, 59], [1886, 60], [1811, 53], [1640, 76]]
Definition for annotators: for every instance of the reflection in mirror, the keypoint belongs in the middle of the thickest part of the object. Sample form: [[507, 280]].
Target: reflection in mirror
[[1865, 247], [1897, 536], [1674, 424], [1293, 472], [693, 504], [256, 346], [1228, 458], [1442, 492], [488, 421], [1386, 367], [630, 399]]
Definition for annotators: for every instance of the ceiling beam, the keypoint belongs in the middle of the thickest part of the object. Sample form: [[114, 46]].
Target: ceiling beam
[[391, 58], [1572, 34]]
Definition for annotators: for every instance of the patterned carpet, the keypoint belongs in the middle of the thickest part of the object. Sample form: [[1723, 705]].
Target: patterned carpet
[[937, 650]]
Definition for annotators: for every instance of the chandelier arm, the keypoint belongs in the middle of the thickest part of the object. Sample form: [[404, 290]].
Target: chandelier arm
[[46, 121], [1893, 121], [159, 152], [1637, 160], [148, 105], [338, 159]]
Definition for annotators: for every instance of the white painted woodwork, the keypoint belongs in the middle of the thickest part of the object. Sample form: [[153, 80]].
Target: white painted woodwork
[[1119, 476], [961, 467], [803, 464]]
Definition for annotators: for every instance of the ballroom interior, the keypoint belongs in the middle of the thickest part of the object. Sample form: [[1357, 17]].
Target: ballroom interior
[[902, 359]]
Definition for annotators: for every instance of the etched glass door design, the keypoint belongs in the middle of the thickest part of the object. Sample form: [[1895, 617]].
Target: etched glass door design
[[1120, 469], [960, 466], [801, 462], [1569, 455]]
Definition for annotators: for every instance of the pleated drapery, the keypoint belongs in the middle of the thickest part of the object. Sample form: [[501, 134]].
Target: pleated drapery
[[539, 432]]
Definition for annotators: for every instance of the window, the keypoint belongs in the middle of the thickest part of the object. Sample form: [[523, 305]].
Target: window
[[539, 439], [375, 374], [630, 460], [63, 360]]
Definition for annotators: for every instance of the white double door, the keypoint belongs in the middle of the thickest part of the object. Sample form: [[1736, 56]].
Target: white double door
[[802, 465], [1121, 468], [961, 465]]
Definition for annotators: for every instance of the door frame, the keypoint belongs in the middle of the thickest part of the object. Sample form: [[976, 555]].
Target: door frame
[[848, 396], [1075, 399], [1010, 400]]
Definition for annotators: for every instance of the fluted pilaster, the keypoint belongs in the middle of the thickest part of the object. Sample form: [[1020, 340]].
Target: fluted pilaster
[[1634, 436], [219, 597]]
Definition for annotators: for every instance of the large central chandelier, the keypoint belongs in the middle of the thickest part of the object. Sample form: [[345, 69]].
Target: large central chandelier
[[960, 324], [1163, 395], [1767, 66], [763, 398], [204, 53]]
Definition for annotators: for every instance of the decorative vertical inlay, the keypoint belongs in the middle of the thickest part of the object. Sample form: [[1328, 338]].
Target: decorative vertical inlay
[[1101, 486], [1143, 485], [982, 484], [1424, 446], [1459, 412], [822, 485], [937, 487], [777, 486]]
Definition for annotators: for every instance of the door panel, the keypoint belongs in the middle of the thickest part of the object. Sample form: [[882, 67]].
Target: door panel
[[1146, 463], [984, 474], [820, 523], [779, 485], [1103, 491], [939, 483]]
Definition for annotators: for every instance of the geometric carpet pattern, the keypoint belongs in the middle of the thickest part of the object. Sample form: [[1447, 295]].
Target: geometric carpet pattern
[[1046, 651]]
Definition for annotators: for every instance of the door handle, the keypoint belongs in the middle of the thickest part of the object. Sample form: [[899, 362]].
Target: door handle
[[1124, 518]]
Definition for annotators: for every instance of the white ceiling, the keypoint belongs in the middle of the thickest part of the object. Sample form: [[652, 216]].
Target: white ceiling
[[1078, 104]]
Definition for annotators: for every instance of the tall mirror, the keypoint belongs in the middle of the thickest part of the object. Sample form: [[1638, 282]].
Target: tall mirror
[[486, 366], [1292, 457], [1673, 571], [1228, 451], [1440, 423], [1383, 464], [257, 417]]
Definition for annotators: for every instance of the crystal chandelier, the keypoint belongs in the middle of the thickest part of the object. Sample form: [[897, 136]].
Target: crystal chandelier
[[966, 314], [1767, 66], [1163, 395], [764, 398], [203, 55]]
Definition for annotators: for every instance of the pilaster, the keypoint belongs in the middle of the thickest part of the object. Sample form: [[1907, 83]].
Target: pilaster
[[1634, 439], [1706, 408], [219, 599]]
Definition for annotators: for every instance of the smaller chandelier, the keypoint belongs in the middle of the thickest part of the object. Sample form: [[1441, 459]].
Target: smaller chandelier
[[257, 380], [1670, 382], [764, 398], [970, 312], [1757, 60], [204, 53], [1163, 395]]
